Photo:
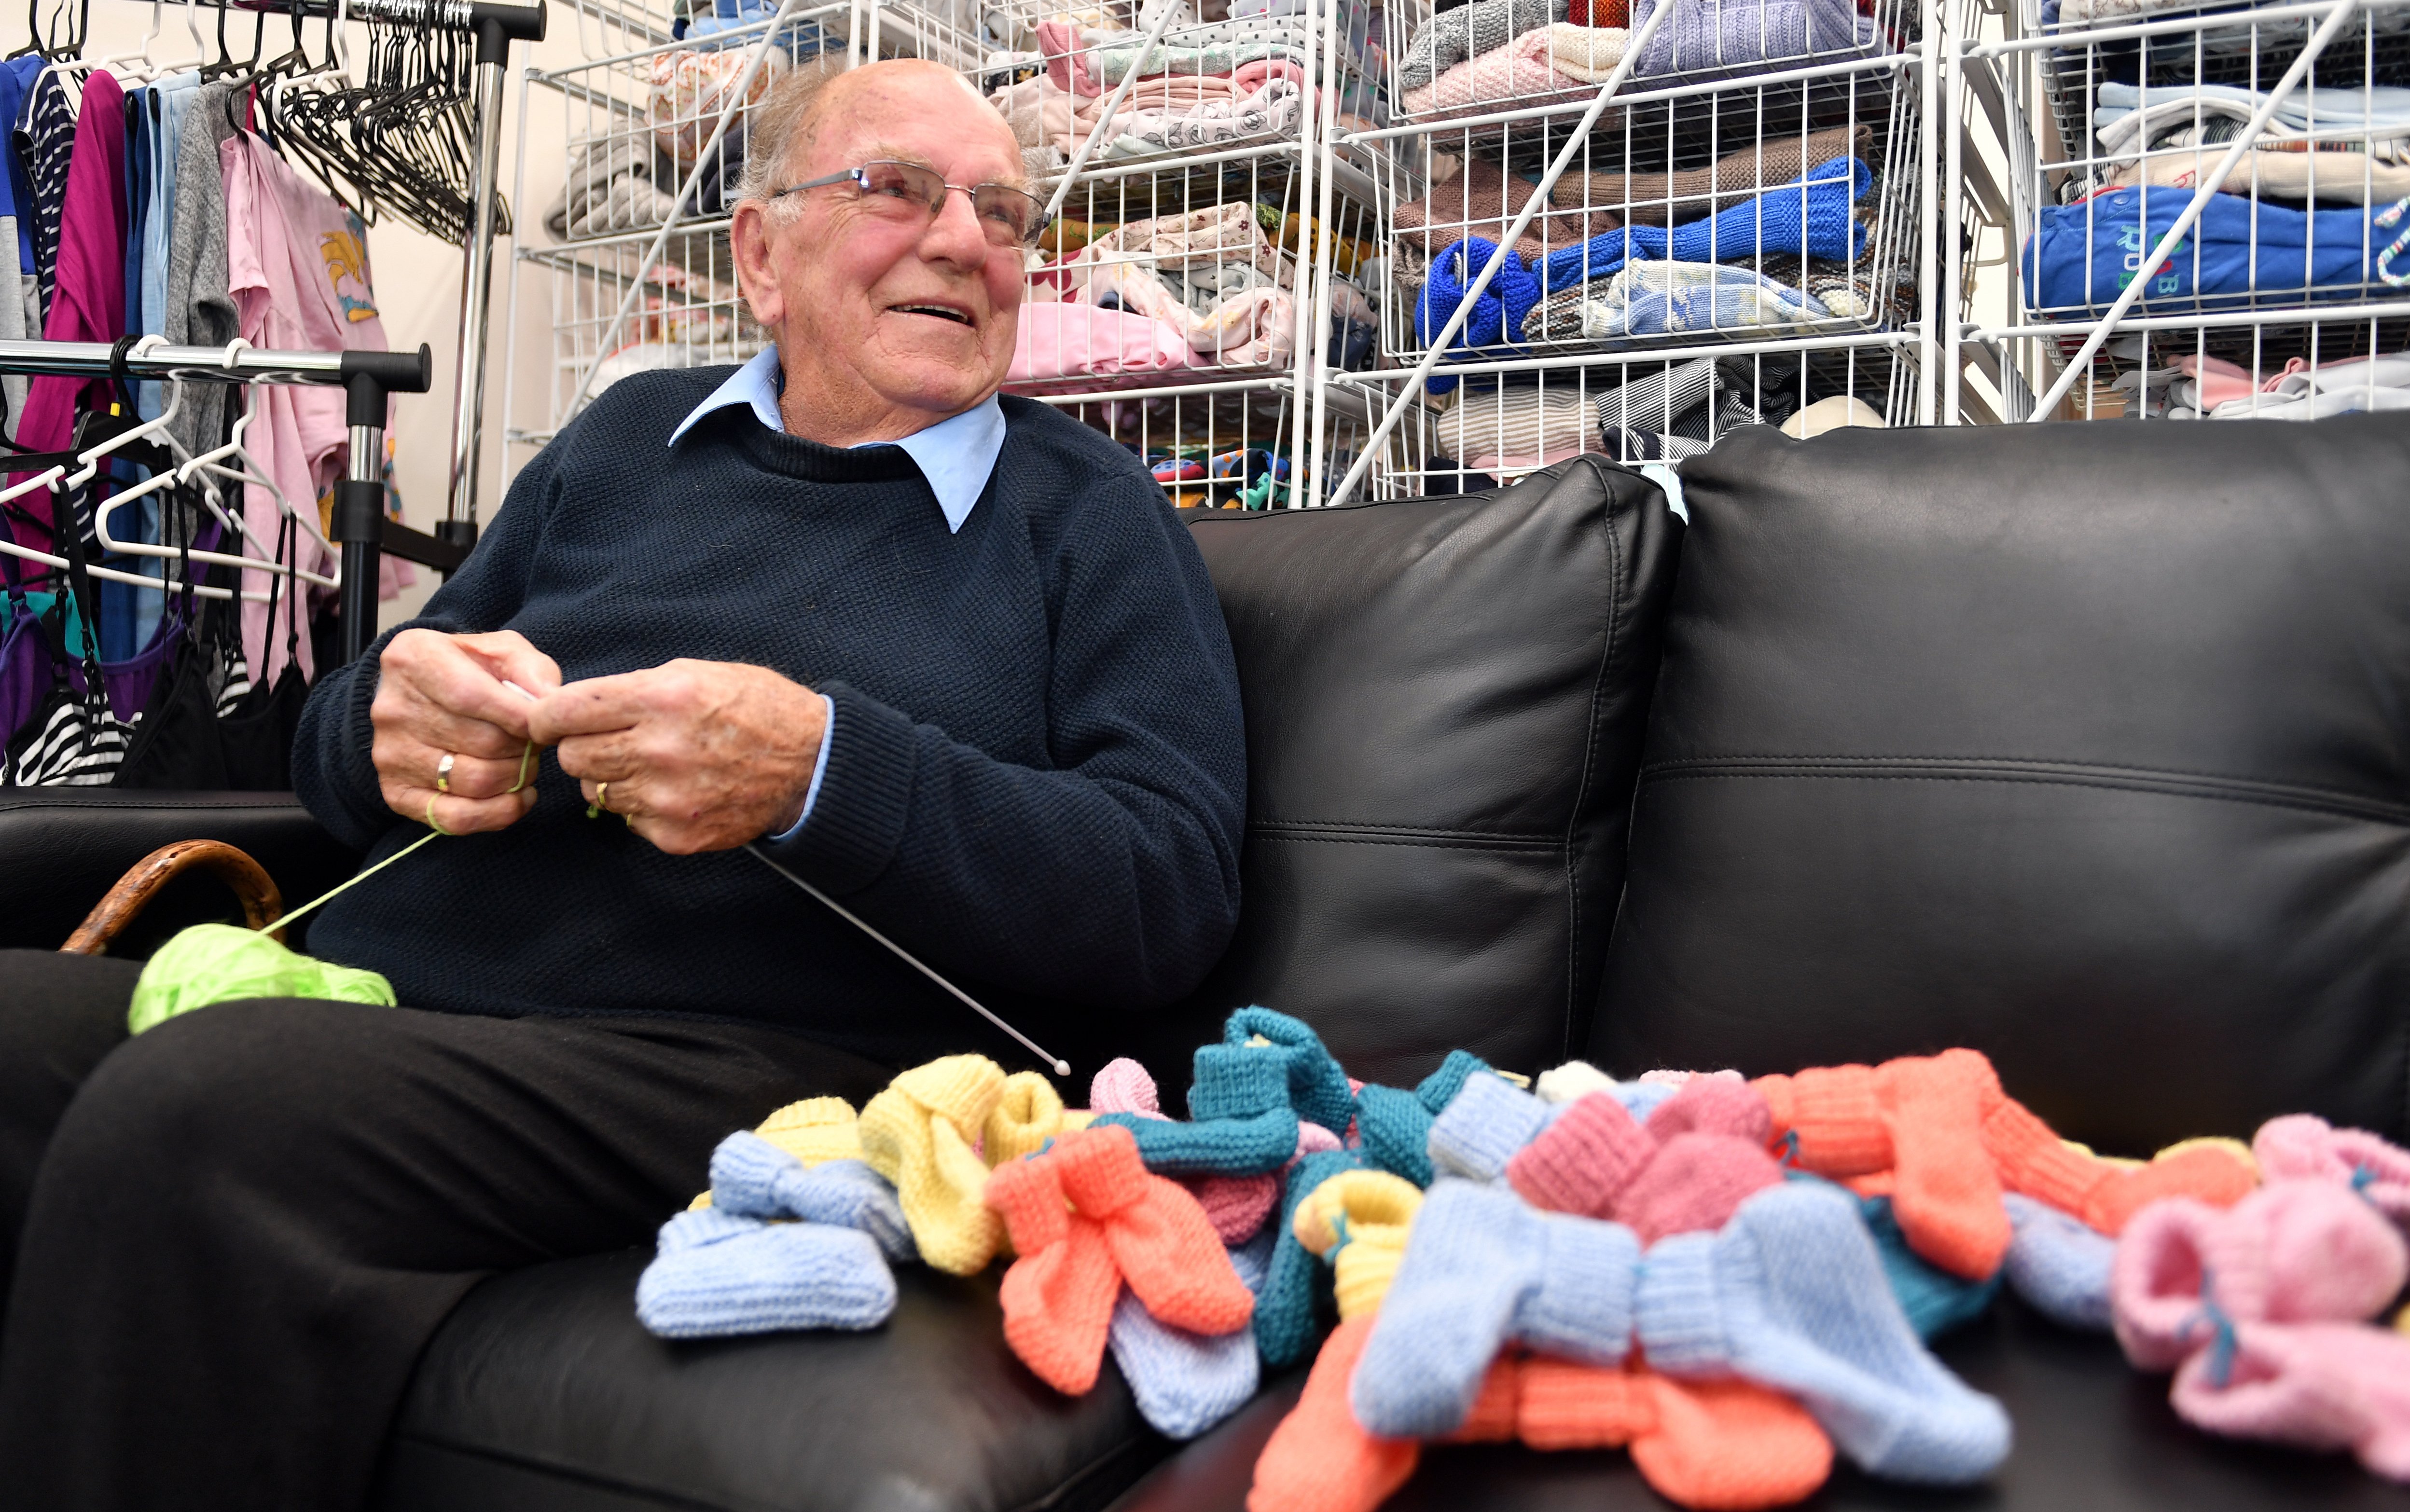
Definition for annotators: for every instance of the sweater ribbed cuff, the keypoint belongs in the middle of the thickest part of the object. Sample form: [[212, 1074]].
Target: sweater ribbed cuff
[[1678, 1319], [1582, 1308], [865, 799]]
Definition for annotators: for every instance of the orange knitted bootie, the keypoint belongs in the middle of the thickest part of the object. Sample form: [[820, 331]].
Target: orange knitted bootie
[[1160, 1238], [1058, 1297], [2034, 1161], [1921, 1119], [1319, 1459]]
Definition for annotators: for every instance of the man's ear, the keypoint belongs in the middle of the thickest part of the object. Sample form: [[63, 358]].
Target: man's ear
[[749, 240]]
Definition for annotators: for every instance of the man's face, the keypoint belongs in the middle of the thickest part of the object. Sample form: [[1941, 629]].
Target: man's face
[[918, 313]]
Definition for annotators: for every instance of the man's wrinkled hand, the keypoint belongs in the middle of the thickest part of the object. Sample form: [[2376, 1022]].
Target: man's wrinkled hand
[[442, 695], [698, 756]]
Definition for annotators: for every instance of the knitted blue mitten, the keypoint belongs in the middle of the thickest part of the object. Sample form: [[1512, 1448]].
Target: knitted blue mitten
[[1317, 1088], [1483, 1270], [1286, 1302], [718, 1272], [1243, 1125], [1935, 1300], [753, 1178], [1791, 1294], [1477, 1133], [1184, 1382], [1394, 1127], [2059, 1264]]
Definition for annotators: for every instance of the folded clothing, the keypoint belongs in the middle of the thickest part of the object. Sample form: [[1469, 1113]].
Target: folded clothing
[[2276, 172], [2126, 116], [1519, 73], [1725, 38], [1814, 215], [1695, 193], [2080, 256], [1649, 299], [2204, 387], [1452, 37], [1059, 339], [1482, 199]]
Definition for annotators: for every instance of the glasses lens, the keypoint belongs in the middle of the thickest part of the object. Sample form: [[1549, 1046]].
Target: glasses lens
[[901, 188], [1011, 217]]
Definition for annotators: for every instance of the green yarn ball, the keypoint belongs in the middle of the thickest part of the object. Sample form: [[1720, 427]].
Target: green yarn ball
[[219, 963]]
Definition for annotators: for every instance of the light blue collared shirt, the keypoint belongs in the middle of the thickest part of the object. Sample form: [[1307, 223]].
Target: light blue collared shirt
[[957, 456]]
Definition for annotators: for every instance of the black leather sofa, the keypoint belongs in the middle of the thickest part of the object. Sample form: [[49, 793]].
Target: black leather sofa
[[2087, 745]]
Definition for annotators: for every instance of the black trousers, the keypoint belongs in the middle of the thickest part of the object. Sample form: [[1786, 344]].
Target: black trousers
[[233, 1236]]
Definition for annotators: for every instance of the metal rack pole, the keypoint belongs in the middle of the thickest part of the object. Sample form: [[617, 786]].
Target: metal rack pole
[[497, 26]]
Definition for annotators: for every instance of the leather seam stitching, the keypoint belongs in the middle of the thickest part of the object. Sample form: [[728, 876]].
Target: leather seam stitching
[[1615, 609], [1434, 841], [2227, 790], [2025, 763]]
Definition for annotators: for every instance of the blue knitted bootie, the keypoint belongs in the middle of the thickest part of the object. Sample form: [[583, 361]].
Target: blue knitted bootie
[[1483, 1270], [753, 1178], [1479, 1131], [716, 1273], [1318, 1086], [1934, 1300], [1395, 1125], [1184, 1382], [1290, 1299], [1790, 1294], [2059, 1264], [1241, 1125]]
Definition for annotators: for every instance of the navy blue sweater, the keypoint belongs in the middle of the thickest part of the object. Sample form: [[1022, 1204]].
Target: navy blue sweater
[[1036, 783]]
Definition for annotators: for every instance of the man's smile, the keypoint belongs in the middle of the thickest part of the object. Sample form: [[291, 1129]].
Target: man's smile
[[956, 313]]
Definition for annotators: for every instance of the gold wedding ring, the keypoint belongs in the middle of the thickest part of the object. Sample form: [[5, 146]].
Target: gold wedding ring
[[444, 773], [602, 796]]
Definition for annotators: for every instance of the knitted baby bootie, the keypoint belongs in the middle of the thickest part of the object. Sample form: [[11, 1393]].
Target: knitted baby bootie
[[1394, 1127], [1242, 1121], [918, 1134], [1724, 1445], [1790, 1294], [1358, 1220], [753, 1178], [1317, 1088], [2320, 1386], [1483, 1127], [1584, 1161], [2058, 1265], [1319, 1458], [1934, 1300], [1287, 1303], [2032, 1159], [1483, 1270], [1158, 1236], [717, 1274], [2299, 1251], [1028, 1112], [2303, 1145], [1184, 1383], [1058, 1296], [814, 1130]]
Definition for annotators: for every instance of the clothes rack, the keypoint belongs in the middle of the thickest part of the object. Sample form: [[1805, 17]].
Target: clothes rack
[[360, 525], [495, 25]]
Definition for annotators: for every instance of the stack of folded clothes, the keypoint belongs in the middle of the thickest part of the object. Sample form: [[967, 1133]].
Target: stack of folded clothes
[[1492, 54], [1735, 1279], [2336, 145], [2082, 257], [2199, 387], [1504, 429]]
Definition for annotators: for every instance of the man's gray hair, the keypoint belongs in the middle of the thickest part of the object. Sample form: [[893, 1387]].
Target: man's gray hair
[[781, 124]]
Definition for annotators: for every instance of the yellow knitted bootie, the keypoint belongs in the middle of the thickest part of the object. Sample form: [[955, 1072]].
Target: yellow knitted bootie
[[918, 1134], [1365, 1214], [1028, 1112]]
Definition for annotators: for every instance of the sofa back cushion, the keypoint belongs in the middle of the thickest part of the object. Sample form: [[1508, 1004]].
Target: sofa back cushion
[[1444, 700], [2084, 745]]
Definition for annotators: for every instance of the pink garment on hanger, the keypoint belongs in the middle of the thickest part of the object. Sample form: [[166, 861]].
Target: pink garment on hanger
[[298, 265], [1067, 340], [89, 304]]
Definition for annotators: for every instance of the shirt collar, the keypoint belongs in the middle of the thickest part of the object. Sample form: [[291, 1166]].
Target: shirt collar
[[957, 456]]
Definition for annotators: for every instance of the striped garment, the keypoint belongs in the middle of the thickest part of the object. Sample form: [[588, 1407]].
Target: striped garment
[[45, 141]]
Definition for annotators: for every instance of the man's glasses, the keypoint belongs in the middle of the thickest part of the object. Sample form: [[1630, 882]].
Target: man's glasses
[[906, 192]]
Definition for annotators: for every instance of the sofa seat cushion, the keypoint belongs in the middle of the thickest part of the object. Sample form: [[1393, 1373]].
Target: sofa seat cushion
[[2092, 1435], [2087, 746], [543, 1390]]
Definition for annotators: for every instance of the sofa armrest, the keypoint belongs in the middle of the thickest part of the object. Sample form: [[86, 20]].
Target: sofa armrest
[[66, 847]]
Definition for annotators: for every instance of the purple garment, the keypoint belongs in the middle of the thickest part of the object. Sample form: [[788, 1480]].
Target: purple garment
[[89, 303], [25, 677]]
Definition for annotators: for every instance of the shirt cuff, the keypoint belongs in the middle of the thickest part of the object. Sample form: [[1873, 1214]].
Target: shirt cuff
[[820, 770]]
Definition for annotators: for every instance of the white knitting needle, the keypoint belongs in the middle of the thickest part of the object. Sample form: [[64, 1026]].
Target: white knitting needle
[[1062, 1068]]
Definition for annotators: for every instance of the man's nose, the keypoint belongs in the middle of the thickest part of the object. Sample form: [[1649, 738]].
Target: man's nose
[[956, 234]]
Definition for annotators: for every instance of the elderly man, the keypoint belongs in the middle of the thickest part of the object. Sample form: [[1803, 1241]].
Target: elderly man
[[948, 658]]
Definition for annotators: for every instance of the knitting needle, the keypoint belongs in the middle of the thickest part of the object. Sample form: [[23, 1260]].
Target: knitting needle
[[1062, 1068]]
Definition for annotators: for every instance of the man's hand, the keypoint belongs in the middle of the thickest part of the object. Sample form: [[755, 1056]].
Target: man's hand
[[442, 695], [699, 756]]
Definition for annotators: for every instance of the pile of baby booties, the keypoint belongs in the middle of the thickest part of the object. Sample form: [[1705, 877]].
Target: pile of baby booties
[[1729, 1278]]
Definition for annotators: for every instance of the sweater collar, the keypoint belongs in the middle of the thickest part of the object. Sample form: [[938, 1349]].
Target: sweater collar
[[957, 456]]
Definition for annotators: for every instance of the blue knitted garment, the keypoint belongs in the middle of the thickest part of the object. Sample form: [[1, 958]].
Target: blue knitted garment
[[716, 1273], [2059, 1264], [1811, 215], [1394, 1127], [1791, 1294], [1036, 782], [1483, 1269], [1184, 1382], [1241, 1125], [1934, 1300], [751, 1177], [1290, 1299], [1480, 1131]]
